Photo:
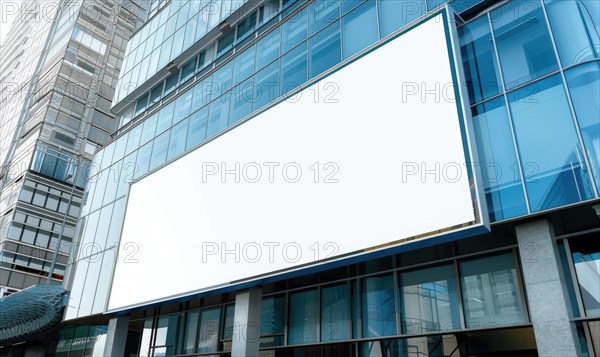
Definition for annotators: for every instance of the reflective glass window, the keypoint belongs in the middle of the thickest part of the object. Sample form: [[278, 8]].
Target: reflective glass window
[[133, 142], [266, 85], [241, 101], [325, 50], [498, 160], [303, 317], [490, 292], [177, 141], [576, 29], [243, 65], [218, 115], [171, 83], [479, 60], [155, 94], [293, 31], [100, 295], [584, 85], [429, 300], [378, 306], [523, 42], [202, 93], [188, 70], [293, 69], [159, 150], [143, 160], [552, 163], [149, 129], [359, 29], [208, 339], [128, 169], [197, 127], [267, 49], [166, 333], [225, 43], [183, 106], [335, 313], [395, 14], [586, 258], [272, 315], [165, 118], [228, 322], [222, 80], [321, 13], [191, 332], [348, 5]]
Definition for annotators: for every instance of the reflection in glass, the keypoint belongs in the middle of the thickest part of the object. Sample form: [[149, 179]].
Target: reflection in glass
[[325, 50], [490, 293], [575, 26], [219, 115], [293, 31], [293, 69], [197, 127], [266, 85], [584, 85], [430, 301], [395, 14], [523, 42], [586, 258], [359, 29], [303, 317], [335, 319], [498, 160], [378, 306], [479, 60], [553, 165], [208, 340]]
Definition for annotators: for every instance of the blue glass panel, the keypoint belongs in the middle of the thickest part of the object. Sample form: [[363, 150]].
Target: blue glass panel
[[149, 129], [294, 31], [267, 49], [584, 85], [128, 170], [293, 69], [523, 42], [394, 14], [177, 141], [575, 29], [159, 150], [244, 65], [120, 146], [208, 340], [165, 118], [222, 80], [218, 115], [134, 139], [266, 85], [321, 13], [378, 306], [490, 292], [430, 300], [498, 160], [241, 101], [197, 128], [202, 93], [586, 259], [335, 313], [479, 60], [348, 5], [272, 315], [191, 332], [143, 159], [359, 28], [183, 106], [303, 317], [325, 50], [432, 4], [553, 166]]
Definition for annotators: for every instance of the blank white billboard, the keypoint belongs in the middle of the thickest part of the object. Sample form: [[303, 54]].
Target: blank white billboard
[[368, 156]]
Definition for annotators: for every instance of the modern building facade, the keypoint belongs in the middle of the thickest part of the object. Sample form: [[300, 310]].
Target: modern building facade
[[200, 73], [59, 67]]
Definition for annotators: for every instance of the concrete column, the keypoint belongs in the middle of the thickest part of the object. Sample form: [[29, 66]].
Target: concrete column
[[116, 336], [547, 296], [246, 323]]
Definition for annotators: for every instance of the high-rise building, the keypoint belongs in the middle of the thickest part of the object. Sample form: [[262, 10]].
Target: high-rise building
[[58, 71], [346, 178]]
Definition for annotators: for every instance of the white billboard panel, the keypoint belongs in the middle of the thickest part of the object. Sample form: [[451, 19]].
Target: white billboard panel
[[366, 157]]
